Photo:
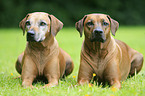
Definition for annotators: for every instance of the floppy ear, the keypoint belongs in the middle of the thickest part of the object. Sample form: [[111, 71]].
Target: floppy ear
[[22, 24], [80, 24], [114, 25], [56, 25]]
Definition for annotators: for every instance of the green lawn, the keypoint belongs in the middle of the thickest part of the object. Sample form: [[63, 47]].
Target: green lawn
[[12, 43]]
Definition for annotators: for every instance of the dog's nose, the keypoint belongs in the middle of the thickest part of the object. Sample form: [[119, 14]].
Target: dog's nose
[[30, 35], [98, 31], [98, 35]]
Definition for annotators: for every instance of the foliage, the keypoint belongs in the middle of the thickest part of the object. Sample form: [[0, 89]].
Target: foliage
[[127, 12], [13, 43]]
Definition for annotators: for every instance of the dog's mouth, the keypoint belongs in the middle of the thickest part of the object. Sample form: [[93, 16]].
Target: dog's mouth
[[98, 38]]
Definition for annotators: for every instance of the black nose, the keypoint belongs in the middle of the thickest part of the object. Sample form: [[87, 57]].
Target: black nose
[[98, 31], [30, 36], [30, 33]]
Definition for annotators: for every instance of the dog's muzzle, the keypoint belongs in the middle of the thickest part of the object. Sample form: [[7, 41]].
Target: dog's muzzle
[[31, 36], [98, 35]]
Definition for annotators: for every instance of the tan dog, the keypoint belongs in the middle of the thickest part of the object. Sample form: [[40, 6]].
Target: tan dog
[[42, 56], [111, 60]]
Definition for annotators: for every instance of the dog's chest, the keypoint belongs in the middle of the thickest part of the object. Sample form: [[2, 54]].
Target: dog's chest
[[99, 62], [40, 58]]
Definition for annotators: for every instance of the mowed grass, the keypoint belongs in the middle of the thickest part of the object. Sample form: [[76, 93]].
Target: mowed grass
[[12, 43]]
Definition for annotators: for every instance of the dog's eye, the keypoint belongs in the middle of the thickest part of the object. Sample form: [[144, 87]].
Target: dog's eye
[[42, 23], [105, 23], [90, 23], [28, 23]]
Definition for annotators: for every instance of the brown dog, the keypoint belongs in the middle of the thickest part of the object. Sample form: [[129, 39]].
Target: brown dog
[[42, 56], [111, 60]]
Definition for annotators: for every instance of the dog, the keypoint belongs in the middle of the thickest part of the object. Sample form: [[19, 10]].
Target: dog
[[42, 56], [111, 60]]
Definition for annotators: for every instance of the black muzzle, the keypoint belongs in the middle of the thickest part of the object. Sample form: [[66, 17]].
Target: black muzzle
[[98, 35], [31, 36]]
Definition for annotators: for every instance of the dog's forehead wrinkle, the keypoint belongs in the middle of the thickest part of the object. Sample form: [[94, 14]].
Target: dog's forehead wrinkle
[[97, 16], [41, 16], [90, 20]]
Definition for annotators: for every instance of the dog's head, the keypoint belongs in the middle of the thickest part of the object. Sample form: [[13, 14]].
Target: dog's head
[[38, 25], [97, 27]]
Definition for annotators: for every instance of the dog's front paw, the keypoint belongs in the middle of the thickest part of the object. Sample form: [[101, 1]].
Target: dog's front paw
[[51, 84], [115, 84], [27, 84]]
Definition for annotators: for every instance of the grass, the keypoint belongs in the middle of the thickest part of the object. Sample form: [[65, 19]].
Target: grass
[[12, 43]]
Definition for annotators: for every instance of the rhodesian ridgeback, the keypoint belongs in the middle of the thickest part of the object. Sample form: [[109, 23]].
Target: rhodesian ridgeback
[[42, 56], [111, 60]]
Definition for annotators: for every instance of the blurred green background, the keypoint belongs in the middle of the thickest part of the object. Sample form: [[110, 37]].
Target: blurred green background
[[126, 12]]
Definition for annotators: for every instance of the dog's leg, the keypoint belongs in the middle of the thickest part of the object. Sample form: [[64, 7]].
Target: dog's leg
[[18, 65], [52, 72], [29, 72], [69, 63], [85, 73], [136, 64], [69, 68], [112, 74]]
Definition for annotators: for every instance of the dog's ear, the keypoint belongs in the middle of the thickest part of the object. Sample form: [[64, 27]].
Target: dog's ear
[[55, 25], [23, 23], [80, 24], [114, 25]]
